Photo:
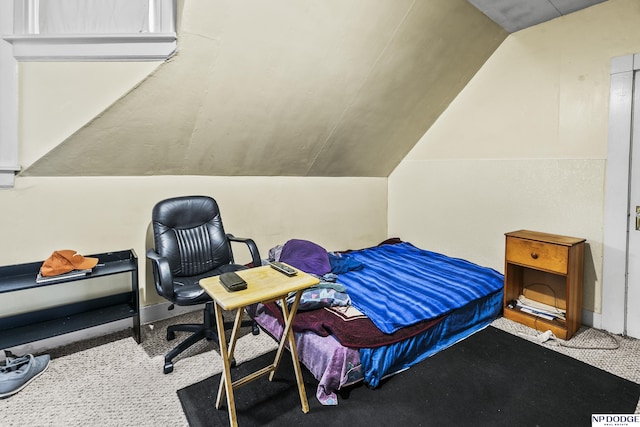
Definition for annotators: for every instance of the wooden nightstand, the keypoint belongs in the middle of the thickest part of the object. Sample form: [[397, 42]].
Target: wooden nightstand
[[547, 268]]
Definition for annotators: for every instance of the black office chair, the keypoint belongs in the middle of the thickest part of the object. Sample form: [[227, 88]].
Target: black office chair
[[191, 244]]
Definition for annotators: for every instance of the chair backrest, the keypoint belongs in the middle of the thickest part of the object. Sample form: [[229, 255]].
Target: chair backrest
[[188, 232]]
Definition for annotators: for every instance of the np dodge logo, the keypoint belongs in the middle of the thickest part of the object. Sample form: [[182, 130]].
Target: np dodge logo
[[615, 420]]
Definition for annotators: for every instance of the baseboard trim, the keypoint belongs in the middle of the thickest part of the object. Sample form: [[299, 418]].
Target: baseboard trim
[[592, 319], [161, 311]]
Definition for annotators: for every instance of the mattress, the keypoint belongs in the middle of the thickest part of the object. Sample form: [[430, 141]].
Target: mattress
[[435, 301]]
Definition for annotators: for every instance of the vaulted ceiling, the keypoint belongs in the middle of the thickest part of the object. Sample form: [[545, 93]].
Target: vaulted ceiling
[[288, 88], [515, 15]]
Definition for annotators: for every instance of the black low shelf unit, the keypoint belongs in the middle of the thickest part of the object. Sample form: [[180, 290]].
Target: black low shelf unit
[[50, 322]]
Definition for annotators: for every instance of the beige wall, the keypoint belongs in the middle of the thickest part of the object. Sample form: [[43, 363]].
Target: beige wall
[[94, 215], [58, 98], [279, 88], [522, 147]]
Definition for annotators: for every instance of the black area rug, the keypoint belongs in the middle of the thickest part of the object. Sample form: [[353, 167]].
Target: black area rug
[[490, 379]]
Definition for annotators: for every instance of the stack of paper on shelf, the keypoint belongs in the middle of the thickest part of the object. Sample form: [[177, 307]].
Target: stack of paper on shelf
[[539, 309]]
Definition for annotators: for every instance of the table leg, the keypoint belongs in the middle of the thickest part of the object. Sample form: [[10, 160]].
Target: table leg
[[230, 351], [226, 372], [234, 333], [287, 337]]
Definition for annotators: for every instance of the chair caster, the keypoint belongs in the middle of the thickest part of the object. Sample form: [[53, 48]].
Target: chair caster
[[255, 330], [171, 335], [168, 367]]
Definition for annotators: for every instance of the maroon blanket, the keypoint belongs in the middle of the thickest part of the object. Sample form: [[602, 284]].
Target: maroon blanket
[[351, 331]]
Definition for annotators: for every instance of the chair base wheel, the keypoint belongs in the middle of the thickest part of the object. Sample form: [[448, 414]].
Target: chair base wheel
[[255, 330], [168, 367], [171, 335]]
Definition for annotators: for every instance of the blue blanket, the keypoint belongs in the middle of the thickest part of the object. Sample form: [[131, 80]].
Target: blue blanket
[[401, 284]]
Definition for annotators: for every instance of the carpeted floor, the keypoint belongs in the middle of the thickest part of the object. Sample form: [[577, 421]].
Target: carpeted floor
[[113, 381]]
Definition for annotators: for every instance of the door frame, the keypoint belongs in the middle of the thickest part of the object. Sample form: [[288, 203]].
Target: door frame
[[617, 194]]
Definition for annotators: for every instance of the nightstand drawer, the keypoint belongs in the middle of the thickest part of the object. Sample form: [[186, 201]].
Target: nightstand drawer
[[540, 255]]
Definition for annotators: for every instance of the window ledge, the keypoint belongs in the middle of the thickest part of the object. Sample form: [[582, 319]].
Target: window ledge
[[8, 176], [102, 47]]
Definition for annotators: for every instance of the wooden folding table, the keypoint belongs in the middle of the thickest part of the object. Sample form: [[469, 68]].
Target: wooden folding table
[[264, 284]]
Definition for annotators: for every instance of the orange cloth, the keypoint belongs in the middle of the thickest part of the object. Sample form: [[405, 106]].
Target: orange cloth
[[64, 261]]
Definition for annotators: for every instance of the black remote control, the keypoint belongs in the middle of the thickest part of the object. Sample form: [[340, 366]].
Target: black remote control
[[283, 268]]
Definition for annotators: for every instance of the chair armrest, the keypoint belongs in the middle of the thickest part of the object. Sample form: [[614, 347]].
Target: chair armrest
[[253, 249], [161, 274]]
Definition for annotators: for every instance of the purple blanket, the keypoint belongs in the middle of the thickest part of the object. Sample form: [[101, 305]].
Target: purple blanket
[[332, 364]]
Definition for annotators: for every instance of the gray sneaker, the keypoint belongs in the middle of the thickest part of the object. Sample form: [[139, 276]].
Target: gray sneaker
[[17, 372]]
